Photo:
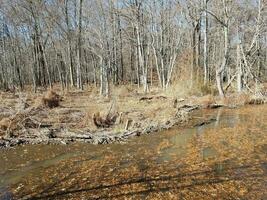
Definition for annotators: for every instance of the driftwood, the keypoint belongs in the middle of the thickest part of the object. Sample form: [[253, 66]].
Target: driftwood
[[206, 122], [145, 98], [151, 98], [176, 101], [160, 97], [128, 124], [214, 106], [188, 108]]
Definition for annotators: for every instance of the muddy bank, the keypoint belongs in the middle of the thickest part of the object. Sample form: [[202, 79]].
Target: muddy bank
[[44, 134], [68, 122]]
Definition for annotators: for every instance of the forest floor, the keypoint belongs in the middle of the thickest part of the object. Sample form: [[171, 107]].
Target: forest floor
[[27, 118]]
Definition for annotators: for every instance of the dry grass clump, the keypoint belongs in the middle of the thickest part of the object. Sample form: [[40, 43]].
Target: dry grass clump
[[93, 118], [104, 122], [123, 90], [86, 121], [255, 100], [240, 99], [51, 100], [177, 89], [5, 123], [207, 89], [206, 101], [244, 98], [72, 117], [264, 88], [187, 88]]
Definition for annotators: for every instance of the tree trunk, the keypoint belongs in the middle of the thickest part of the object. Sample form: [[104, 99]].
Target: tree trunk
[[70, 53], [221, 68], [205, 47]]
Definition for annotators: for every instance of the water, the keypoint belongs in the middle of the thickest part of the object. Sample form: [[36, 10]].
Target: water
[[197, 162]]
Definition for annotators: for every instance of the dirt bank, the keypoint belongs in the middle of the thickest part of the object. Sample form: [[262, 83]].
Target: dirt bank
[[25, 118]]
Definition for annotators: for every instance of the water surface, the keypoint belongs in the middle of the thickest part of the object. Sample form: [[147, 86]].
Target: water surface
[[224, 159]]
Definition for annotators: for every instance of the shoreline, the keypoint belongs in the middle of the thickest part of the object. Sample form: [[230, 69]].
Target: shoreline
[[30, 128], [56, 136]]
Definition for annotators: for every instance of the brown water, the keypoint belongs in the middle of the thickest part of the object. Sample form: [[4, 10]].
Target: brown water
[[226, 159]]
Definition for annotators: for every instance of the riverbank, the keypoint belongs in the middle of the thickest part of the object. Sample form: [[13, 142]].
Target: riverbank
[[27, 118]]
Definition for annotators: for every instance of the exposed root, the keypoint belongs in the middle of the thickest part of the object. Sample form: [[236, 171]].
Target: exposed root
[[206, 122], [145, 98]]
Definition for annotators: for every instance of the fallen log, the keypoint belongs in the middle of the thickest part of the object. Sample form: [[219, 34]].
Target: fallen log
[[145, 98], [214, 106], [206, 122], [151, 98]]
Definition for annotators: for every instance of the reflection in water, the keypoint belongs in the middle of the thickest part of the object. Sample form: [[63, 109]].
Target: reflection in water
[[205, 162], [218, 117], [5, 194]]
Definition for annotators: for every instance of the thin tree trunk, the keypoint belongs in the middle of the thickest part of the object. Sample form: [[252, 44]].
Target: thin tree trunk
[[79, 52], [69, 43], [205, 47]]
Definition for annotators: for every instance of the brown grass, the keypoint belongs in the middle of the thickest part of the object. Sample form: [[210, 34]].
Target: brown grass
[[207, 101], [236, 99], [87, 110], [50, 100], [122, 91], [207, 89], [5, 123]]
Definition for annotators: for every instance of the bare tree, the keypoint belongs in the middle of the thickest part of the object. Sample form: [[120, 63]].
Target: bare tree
[[132, 41]]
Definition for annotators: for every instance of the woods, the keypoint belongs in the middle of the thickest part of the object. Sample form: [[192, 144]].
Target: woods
[[213, 43]]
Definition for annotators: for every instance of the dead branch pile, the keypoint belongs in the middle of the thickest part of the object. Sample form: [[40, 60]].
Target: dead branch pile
[[104, 122], [17, 122], [153, 97], [183, 111]]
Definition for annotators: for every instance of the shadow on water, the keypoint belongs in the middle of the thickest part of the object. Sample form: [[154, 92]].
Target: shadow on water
[[220, 174], [5, 194]]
